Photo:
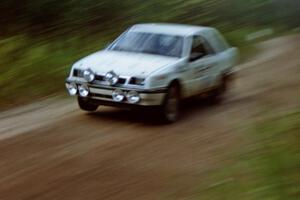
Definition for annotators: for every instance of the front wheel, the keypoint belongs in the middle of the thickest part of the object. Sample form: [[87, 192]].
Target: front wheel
[[170, 108], [85, 105]]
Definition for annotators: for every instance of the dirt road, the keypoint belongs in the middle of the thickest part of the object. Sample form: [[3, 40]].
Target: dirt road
[[51, 150]]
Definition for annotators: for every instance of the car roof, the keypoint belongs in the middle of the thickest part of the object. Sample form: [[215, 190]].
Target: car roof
[[170, 29]]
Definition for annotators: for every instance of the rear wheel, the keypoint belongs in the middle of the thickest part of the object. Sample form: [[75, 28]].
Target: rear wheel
[[170, 109], [85, 105], [215, 96]]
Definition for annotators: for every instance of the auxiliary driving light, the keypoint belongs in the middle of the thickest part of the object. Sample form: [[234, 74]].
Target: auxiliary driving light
[[83, 90], [118, 95], [133, 97], [72, 88], [111, 77], [89, 75]]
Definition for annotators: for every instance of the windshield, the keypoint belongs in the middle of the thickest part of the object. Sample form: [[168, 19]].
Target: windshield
[[151, 43]]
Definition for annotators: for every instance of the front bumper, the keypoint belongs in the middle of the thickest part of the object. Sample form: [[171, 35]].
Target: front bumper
[[102, 95]]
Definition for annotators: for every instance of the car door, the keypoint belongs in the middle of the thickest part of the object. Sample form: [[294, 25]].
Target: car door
[[202, 61]]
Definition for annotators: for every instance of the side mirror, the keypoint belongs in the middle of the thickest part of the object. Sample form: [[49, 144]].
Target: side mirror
[[195, 56]]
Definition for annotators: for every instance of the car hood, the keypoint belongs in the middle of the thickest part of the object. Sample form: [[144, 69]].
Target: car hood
[[124, 63]]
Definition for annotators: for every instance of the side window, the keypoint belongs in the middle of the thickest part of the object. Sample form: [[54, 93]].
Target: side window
[[219, 42], [200, 48]]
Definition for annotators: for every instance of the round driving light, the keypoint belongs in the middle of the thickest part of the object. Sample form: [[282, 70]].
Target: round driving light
[[133, 97], [83, 90], [89, 75], [118, 95], [72, 88], [111, 77]]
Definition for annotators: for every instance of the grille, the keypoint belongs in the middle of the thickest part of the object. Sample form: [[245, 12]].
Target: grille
[[99, 78], [102, 78], [122, 81]]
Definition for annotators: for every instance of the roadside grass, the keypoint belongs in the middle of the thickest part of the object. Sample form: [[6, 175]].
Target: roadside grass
[[247, 52], [248, 48], [265, 167], [34, 68]]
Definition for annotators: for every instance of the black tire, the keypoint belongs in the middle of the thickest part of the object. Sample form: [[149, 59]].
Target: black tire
[[216, 95], [170, 108], [85, 105]]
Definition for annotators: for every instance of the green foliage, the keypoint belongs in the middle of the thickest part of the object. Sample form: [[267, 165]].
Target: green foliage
[[86, 16]]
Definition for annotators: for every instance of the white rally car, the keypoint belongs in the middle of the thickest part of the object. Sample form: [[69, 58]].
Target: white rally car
[[154, 65]]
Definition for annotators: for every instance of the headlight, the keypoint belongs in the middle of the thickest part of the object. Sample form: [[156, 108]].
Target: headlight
[[111, 77], [83, 90], [72, 88], [133, 97], [118, 95], [89, 75]]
